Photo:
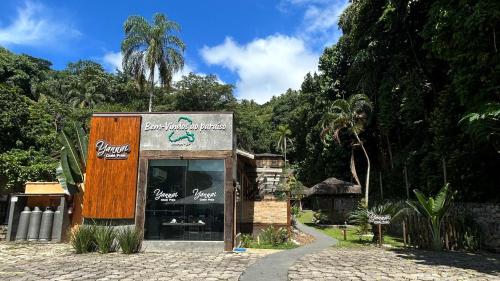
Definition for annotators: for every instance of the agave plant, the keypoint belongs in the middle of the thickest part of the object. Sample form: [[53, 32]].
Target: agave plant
[[434, 209], [71, 170]]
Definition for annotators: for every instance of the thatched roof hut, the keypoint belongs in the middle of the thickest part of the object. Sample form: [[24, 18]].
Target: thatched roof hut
[[334, 186]]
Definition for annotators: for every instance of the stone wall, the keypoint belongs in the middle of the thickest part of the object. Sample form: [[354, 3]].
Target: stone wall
[[3, 232], [265, 212], [257, 215], [487, 215]]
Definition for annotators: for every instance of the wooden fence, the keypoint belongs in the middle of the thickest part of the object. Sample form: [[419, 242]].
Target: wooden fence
[[457, 232]]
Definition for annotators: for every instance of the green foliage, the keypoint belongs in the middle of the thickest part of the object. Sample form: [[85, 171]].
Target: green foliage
[[274, 236], [130, 240], [19, 166], [246, 240], [73, 157], [82, 239], [359, 217], [320, 217], [434, 209], [295, 211], [203, 93], [105, 239]]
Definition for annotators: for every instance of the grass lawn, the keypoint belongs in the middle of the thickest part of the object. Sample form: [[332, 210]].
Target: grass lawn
[[353, 240]]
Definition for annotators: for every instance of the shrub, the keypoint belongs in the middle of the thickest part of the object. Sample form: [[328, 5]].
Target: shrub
[[130, 240], [82, 239], [434, 210], [105, 237], [274, 236], [320, 217], [295, 211], [246, 240]]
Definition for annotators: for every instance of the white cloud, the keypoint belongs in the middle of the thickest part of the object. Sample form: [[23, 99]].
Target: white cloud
[[113, 61], [269, 66], [34, 26], [319, 24], [320, 21], [266, 67]]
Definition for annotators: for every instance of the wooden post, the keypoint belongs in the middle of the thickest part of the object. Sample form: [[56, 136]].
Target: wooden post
[[345, 233], [404, 233], [380, 235]]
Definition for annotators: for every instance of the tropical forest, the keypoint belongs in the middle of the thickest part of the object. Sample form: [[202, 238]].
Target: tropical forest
[[408, 97]]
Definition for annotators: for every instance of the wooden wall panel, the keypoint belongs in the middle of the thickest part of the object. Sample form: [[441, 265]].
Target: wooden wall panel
[[110, 185]]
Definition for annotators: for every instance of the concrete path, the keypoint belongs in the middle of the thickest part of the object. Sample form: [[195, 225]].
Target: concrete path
[[275, 266]]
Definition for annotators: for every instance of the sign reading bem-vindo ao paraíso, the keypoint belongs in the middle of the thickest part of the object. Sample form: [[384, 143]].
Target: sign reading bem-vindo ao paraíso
[[197, 131]]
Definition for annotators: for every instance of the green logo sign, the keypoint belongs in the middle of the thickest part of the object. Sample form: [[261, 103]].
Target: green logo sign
[[187, 135]]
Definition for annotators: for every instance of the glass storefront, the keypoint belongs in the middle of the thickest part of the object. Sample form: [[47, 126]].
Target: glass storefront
[[185, 200]]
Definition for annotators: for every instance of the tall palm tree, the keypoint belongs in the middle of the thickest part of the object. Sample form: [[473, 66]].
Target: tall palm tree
[[282, 135], [352, 115], [147, 48]]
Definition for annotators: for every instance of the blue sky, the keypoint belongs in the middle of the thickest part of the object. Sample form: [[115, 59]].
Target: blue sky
[[263, 47]]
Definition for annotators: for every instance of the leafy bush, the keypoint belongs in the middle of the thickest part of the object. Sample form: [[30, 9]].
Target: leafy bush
[[18, 166], [105, 238], [434, 209], [295, 211], [274, 236], [82, 239], [246, 240], [320, 217], [130, 240]]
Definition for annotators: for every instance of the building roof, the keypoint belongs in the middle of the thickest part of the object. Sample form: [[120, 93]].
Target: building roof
[[333, 186]]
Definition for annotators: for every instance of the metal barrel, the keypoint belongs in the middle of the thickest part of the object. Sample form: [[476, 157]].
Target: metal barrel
[[46, 225], [22, 227], [57, 223], [34, 225]]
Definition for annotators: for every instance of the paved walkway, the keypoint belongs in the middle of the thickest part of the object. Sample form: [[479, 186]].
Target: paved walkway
[[57, 262], [371, 263], [275, 266]]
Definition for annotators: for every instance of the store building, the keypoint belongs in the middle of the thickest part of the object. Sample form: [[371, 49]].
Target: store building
[[172, 175]]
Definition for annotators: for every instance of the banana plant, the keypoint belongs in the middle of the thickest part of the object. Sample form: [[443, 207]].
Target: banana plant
[[434, 209], [71, 170]]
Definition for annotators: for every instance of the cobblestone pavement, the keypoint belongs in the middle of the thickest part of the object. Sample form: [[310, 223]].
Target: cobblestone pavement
[[378, 264], [57, 262]]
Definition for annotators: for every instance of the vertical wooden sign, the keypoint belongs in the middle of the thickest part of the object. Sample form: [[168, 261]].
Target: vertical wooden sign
[[111, 179]]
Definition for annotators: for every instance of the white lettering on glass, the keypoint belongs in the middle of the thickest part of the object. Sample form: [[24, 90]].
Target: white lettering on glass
[[164, 196], [204, 196]]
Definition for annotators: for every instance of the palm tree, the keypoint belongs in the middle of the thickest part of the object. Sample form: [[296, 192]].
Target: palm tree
[[282, 134], [149, 47], [352, 115], [86, 94]]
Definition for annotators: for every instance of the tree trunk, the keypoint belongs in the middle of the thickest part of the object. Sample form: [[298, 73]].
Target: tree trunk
[[444, 170], [389, 150], [367, 186], [353, 168], [152, 89], [407, 184], [285, 150], [381, 186]]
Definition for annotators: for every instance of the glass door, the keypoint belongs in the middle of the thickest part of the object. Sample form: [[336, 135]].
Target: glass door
[[185, 200]]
